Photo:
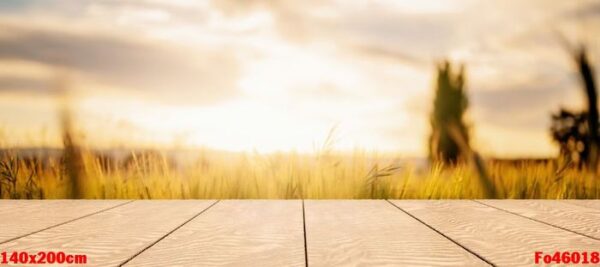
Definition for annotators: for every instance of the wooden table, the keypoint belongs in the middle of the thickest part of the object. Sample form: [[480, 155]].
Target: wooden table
[[301, 233]]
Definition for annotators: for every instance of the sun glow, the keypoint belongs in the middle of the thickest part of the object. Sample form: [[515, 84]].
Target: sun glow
[[271, 75]]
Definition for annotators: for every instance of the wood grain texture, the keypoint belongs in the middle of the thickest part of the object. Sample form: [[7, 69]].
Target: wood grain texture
[[113, 236], [504, 239], [578, 219], [21, 217], [594, 204], [375, 233], [234, 233]]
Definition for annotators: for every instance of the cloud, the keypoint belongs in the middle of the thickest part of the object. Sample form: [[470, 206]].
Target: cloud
[[12, 5], [24, 85], [519, 107], [585, 9], [175, 72], [367, 64], [373, 28]]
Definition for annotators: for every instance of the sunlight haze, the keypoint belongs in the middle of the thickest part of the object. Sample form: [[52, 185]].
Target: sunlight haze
[[280, 75]]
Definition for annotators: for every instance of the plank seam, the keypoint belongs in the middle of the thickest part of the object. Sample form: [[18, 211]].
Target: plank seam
[[304, 229], [442, 234], [536, 220], [65, 222], [167, 234]]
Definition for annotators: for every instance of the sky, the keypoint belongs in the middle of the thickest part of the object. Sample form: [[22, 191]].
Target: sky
[[280, 75]]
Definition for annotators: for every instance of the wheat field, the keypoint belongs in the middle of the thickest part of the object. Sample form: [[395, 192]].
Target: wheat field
[[323, 175]]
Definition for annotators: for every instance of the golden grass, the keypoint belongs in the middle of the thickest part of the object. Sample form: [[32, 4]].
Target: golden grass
[[325, 175]]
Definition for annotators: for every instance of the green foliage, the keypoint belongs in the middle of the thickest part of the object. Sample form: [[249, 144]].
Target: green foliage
[[449, 107]]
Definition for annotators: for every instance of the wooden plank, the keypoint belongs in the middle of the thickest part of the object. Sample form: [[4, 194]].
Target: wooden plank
[[375, 233], [588, 203], [235, 233], [22, 217], [113, 236], [578, 219], [504, 239]]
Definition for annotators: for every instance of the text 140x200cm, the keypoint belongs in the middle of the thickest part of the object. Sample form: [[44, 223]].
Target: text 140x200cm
[[42, 257]]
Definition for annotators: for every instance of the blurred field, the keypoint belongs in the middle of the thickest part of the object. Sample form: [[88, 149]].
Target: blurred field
[[454, 169], [285, 176]]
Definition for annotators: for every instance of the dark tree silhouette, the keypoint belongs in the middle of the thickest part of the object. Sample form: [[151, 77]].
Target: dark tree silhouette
[[570, 131], [449, 107], [577, 132], [587, 76]]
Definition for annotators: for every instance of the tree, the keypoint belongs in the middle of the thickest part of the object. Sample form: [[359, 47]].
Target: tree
[[449, 106], [570, 130], [577, 132], [587, 76]]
